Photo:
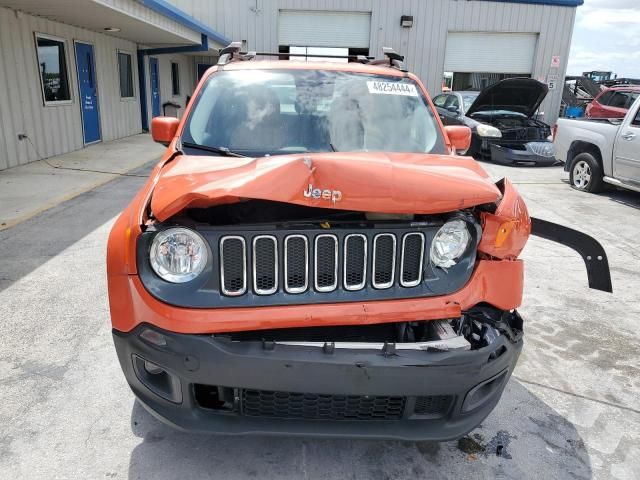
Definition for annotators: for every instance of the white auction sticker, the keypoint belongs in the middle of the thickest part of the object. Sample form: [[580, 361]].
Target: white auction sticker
[[392, 88]]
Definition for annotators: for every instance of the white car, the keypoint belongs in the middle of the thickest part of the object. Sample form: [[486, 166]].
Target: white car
[[598, 151]]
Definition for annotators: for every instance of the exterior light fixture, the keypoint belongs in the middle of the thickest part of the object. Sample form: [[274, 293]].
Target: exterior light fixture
[[406, 21]]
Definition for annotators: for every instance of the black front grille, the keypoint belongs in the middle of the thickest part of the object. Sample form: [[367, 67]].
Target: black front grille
[[233, 265], [412, 255], [326, 262], [432, 406], [265, 264], [355, 261], [263, 403], [384, 258], [340, 264], [296, 266]]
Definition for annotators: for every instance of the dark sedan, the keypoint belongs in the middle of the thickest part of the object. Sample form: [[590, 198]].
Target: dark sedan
[[501, 118]]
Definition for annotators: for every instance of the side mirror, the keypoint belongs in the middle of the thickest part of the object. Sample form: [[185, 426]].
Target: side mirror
[[453, 109], [459, 136], [163, 129]]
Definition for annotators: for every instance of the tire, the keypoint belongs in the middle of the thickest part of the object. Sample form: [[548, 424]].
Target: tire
[[586, 173]]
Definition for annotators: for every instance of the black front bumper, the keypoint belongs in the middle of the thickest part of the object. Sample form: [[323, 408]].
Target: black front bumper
[[472, 380], [508, 153]]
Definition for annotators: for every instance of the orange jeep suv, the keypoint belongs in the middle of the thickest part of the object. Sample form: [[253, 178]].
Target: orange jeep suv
[[311, 257]]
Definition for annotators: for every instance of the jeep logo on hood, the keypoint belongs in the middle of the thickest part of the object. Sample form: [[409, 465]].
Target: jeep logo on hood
[[324, 194]]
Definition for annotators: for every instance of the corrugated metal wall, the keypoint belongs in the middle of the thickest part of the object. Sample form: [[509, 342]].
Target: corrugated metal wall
[[56, 129], [424, 44]]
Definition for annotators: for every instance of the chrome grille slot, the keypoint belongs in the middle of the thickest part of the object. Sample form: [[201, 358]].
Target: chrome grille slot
[[384, 260], [355, 261], [233, 265], [411, 259], [326, 263], [265, 264], [296, 263]]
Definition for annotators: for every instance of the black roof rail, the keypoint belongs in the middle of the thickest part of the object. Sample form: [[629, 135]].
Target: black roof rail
[[393, 60], [229, 52], [232, 53]]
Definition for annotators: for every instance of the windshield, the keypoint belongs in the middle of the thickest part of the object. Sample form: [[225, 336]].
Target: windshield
[[468, 99], [274, 112]]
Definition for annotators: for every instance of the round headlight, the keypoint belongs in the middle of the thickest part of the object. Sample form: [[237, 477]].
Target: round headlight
[[450, 243], [488, 131], [178, 255]]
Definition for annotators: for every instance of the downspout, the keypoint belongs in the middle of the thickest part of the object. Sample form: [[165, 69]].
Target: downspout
[[142, 76]]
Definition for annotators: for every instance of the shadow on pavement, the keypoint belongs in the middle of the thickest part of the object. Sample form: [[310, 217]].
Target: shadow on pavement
[[62, 226], [522, 438]]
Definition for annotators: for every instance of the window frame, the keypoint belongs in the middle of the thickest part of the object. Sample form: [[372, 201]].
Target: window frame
[[451, 101], [175, 82], [65, 44], [443, 95], [605, 97], [133, 96], [635, 122], [621, 93]]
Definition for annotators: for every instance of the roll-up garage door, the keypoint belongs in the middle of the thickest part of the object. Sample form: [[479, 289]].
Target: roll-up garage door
[[490, 52], [324, 29]]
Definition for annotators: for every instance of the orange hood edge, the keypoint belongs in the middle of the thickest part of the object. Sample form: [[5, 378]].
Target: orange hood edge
[[368, 181]]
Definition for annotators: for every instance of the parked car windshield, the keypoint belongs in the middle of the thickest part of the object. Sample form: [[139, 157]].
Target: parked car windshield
[[468, 99], [275, 112]]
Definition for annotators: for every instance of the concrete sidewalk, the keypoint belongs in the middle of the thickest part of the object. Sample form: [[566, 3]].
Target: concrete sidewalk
[[33, 188]]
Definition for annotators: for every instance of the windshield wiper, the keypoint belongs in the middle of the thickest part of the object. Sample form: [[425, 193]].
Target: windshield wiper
[[222, 151]]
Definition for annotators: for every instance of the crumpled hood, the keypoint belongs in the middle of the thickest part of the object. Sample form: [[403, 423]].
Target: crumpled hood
[[368, 181]]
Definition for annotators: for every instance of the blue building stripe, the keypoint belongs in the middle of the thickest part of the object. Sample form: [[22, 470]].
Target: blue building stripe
[[165, 8]]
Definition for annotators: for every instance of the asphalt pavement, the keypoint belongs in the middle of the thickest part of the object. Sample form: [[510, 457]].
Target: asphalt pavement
[[570, 411]]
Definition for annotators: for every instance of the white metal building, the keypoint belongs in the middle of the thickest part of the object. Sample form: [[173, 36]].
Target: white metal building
[[467, 43], [73, 72]]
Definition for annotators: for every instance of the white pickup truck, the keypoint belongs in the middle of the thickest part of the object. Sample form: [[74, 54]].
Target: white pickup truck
[[598, 151]]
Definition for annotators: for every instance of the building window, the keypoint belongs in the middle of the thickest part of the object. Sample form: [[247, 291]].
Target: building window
[[126, 75], [52, 61], [175, 79]]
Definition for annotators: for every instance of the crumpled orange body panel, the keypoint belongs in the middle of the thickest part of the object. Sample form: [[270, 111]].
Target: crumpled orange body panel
[[368, 181], [505, 232], [498, 283]]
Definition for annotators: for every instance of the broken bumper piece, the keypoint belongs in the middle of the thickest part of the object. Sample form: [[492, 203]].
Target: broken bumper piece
[[532, 154], [213, 384]]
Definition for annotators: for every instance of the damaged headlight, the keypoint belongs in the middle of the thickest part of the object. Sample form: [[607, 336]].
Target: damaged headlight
[[488, 131], [450, 243], [178, 255]]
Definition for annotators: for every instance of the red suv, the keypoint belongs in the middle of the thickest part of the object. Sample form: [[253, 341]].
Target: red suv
[[613, 102]]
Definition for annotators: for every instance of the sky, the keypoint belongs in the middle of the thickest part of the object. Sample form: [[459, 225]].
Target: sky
[[607, 37]]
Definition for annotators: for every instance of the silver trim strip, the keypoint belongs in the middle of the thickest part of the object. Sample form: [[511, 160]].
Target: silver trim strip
[[329, 288], [393, 265], [244, 266], [361, 285], [454, 343], [306, 265], [275, 267], [621, 184], [413, 283]]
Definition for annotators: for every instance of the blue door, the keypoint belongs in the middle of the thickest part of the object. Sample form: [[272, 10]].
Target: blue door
[[155, 86], [88, 87]]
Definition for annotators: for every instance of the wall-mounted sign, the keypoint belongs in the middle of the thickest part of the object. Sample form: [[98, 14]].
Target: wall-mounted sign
[[555, 61], [552, 81]]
